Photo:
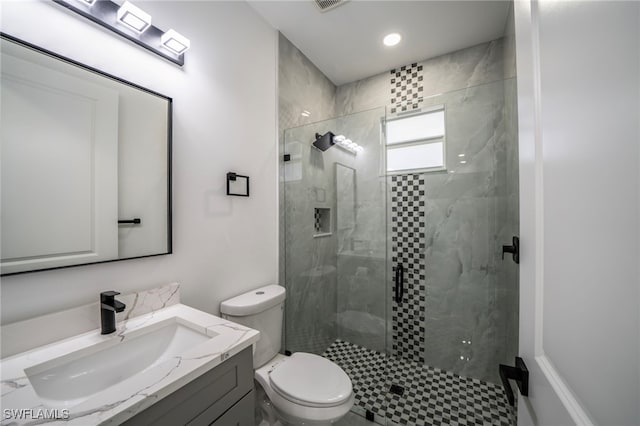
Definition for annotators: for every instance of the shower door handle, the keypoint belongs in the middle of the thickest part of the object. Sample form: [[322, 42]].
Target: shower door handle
[[399, 284]]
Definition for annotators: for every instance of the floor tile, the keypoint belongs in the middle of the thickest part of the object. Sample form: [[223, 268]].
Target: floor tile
[[431, 396]]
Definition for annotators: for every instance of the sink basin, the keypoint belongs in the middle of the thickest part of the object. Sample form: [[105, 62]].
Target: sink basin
[[73, 378], [91, 379]]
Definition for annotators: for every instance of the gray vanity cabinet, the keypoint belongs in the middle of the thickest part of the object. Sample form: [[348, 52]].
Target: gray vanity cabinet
[[222, 396], [240, 414]]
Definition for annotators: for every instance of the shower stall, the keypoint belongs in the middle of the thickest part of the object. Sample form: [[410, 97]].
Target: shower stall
[[396, 273]]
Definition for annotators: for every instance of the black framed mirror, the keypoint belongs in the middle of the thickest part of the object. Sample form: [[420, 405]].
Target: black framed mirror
[[85, 164]]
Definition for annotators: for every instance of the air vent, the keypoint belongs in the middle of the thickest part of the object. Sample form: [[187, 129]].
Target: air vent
[[325, 5]]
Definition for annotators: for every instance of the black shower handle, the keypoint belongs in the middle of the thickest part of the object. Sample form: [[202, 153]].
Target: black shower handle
[[399, 288]]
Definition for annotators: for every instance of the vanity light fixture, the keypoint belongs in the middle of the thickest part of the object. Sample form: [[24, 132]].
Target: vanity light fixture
[[134, 17], [175, 42], [134, 24]]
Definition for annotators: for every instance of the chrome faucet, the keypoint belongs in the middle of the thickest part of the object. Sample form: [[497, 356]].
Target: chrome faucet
[[108, 308]]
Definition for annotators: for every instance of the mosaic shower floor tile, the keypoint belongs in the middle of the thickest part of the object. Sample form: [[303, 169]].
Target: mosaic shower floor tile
[[429, 396]]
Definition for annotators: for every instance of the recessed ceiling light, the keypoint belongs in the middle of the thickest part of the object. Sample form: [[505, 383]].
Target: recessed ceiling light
[[305, 113], [392, 39]]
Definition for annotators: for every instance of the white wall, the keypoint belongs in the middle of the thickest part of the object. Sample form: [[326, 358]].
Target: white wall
[[578, 87], [589, 132], [224, 120]]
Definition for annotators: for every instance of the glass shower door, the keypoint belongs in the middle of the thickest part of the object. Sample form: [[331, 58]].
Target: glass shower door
[[335, 245], [457, 319]]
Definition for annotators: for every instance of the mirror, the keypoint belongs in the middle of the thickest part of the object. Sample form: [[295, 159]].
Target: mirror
[[85, 163]]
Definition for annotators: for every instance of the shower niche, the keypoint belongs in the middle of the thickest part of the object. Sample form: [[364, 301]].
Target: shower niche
[[322, 222]]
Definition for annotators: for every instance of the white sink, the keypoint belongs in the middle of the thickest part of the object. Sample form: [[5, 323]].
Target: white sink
[[91, 379], [73, 378]]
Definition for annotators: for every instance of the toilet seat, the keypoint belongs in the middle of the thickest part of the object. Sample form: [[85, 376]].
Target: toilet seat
[[311, 380], [295, 411]]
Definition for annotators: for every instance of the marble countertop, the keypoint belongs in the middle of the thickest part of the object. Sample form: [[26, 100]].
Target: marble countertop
[[114, 405]]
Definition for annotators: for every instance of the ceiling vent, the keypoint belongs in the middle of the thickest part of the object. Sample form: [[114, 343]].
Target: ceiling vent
[[325, 5]]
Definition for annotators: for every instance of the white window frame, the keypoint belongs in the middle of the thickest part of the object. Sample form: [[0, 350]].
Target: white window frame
[[422, 141]]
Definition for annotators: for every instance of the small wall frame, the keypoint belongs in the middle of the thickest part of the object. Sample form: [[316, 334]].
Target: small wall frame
[[237, 185]]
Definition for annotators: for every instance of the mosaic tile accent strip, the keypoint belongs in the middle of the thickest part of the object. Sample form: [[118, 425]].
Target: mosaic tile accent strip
[[407, 248], [431, 396], [316, 218], [406, 88]]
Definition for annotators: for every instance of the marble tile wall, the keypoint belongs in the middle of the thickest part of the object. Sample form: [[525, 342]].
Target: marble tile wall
[[361, 268], [471, 295], [348, 185], [471, 306], [467, 306], [345, 205], [302, 88], [509, 47], [310, 268], [469, 67], [25, 335]]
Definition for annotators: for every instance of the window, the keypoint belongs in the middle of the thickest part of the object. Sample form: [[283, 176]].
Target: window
[[416, 142]]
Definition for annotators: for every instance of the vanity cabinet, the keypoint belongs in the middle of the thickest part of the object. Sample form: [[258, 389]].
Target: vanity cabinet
[[241, 414], [221, 396]]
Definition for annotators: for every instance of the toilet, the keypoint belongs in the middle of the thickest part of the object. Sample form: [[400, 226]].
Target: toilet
[[301, 389]]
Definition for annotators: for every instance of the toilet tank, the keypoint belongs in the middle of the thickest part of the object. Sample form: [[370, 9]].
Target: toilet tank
[[260, 309]]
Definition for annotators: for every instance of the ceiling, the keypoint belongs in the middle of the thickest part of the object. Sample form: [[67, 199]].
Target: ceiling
[[345, 43]]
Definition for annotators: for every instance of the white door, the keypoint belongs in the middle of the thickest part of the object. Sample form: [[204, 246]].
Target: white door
[[578, 101], [59, 170]]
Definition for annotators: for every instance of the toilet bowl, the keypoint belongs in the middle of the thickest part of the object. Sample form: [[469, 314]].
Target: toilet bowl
[[301, 389], [306, 389]]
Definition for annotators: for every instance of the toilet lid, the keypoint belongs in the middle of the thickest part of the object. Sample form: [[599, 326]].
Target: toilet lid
[[311, 379]]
